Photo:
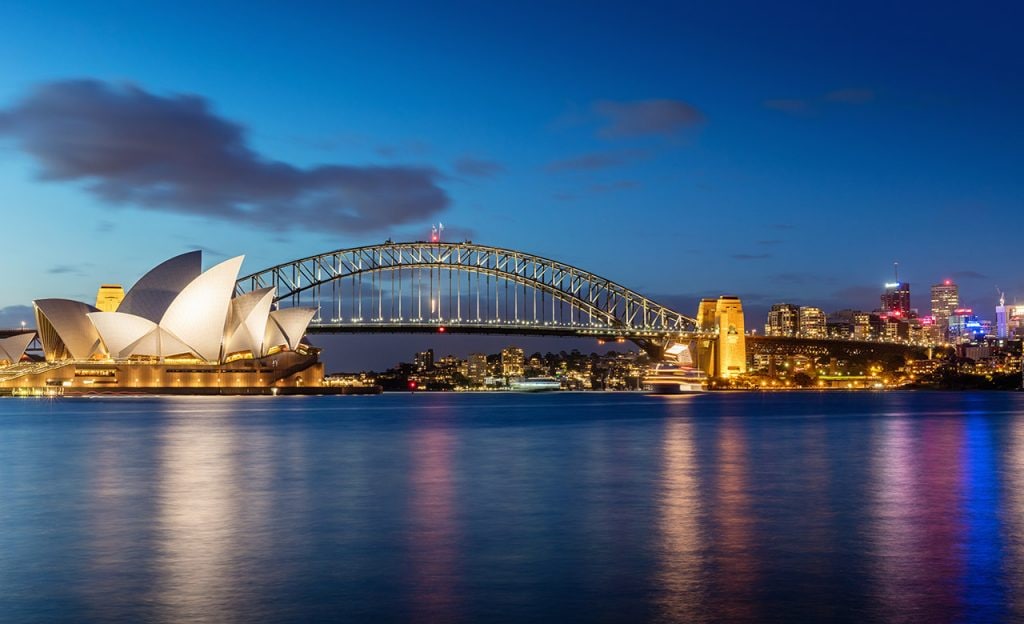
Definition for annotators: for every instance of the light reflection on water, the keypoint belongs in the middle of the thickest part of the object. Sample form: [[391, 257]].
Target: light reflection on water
[[586, 507]]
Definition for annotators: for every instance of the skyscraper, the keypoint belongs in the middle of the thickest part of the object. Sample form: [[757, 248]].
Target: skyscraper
[[945, 299], [783, 320], [896, 299]]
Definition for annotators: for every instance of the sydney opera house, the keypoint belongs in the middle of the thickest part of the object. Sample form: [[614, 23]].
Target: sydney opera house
[[179, 329]]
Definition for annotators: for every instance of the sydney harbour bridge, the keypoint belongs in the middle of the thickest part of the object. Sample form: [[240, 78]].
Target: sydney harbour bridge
[[462, 287]]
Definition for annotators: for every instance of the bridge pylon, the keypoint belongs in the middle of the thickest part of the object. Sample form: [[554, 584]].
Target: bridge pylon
[[721, 347]]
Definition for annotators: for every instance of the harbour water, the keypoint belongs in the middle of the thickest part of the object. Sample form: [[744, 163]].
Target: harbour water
[[510, 507]]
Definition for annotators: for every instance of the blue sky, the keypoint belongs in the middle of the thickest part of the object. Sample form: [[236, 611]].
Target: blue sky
[[797, 151]]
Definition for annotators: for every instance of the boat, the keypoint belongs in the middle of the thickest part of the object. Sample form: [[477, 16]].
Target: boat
[[667, 378], [535, 384]]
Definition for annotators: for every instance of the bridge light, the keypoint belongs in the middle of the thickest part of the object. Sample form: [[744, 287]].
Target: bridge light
[[440, 329]]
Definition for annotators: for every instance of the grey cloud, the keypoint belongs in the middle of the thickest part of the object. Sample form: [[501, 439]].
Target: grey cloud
[[770, 242], [67, 269], [478, 167], [969, 275], [617, 185], [746, 256], [807, 106], [658, 117], [596, 160], [174, 154], [12, 316]]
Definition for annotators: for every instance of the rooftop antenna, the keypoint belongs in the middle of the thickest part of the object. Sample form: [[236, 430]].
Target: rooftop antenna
[[896, 271], [1002, 297]]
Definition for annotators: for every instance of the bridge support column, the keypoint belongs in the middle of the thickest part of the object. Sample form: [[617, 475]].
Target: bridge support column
[[725, 355]]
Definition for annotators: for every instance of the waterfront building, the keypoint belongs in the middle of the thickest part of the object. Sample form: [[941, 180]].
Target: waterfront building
[[896, 299], [812, 322], [109, 297], [177, 327], [783, 320], [512, 362], [476, 368]]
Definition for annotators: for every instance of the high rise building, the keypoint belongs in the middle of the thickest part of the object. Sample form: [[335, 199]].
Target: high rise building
[[783, 320], [945, 299], [109, 297], [812, 323], [1001, 326], [512, 362], [424, 361], [896, 299], [476, 368]]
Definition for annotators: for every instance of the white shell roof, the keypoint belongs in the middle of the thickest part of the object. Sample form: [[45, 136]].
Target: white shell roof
[[198, 315], [151, 296], [247, 321], [13, 347], [287, 326], [69, 320]]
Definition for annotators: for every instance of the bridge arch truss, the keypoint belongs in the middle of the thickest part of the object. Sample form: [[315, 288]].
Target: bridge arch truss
[[392, 286]]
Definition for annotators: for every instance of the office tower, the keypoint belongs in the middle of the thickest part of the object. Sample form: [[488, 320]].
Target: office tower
[[896, 299], [812, 323], [783, 320]]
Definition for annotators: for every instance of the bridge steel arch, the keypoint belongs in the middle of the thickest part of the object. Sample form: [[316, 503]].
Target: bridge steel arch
[[594, 301]]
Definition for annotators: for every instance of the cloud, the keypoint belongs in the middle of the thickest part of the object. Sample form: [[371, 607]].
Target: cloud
[[850, 96], [173, 154], [11, 317], [64, 269], [478, 167], [746, 256], [617, 185], [969, 275], [807, 106], [659, 117], [596, 160], [770, 242]]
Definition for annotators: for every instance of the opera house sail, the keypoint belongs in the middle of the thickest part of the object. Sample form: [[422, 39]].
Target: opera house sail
[[179, 328]]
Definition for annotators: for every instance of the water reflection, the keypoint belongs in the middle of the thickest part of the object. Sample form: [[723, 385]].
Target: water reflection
[[198, 506], [916, 529], [681, 562], [735, 554], [433, 533]]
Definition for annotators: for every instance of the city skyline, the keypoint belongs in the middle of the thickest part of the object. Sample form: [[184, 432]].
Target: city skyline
[[794, 164]]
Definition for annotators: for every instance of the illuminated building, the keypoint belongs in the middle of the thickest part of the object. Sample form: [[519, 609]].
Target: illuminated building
[[964, 326], [1001, 324], [109, 297], [896, 299], [783, 320], [512, 362], [812, 322], [476, 368], [179, 329], [424, 361], [945, 299]]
